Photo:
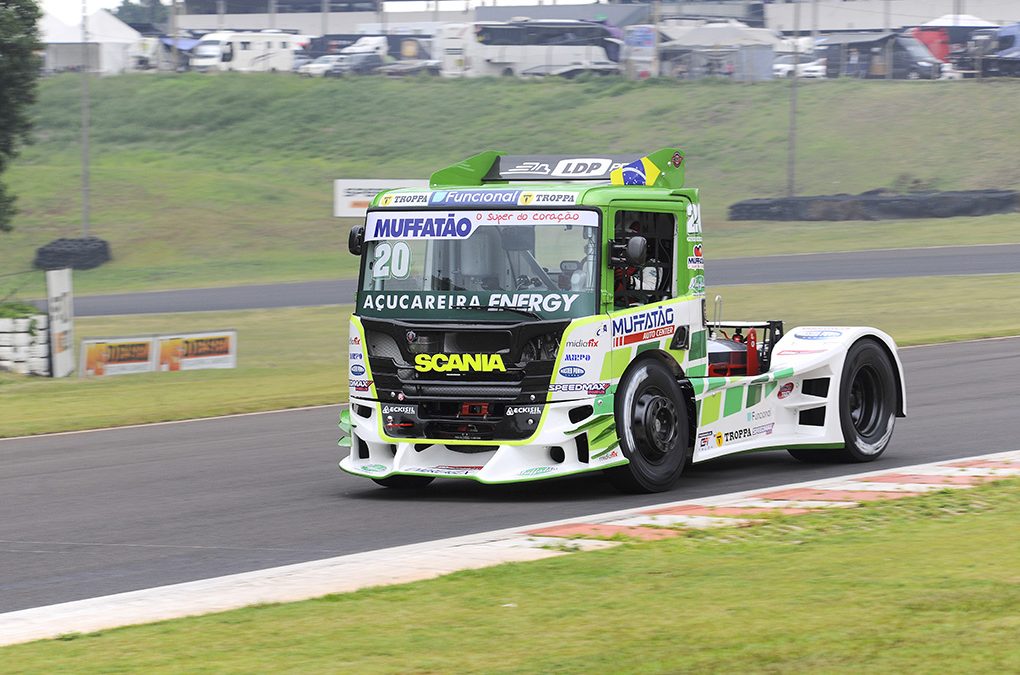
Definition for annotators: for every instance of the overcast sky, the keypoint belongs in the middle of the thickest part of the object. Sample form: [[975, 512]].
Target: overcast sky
[[69, 11]]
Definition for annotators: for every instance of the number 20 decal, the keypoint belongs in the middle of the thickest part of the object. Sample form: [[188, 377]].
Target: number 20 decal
[[392, 261]]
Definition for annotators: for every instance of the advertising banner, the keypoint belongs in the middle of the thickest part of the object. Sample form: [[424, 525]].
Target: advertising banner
[[60, 306], [117, 356], [193, 351], [352, 197]]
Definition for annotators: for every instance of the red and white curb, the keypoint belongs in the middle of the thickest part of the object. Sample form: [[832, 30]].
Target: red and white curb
[[415, 562]]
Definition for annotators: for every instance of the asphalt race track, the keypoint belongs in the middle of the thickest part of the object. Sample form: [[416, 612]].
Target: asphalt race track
[[890, 263], [94, 513]]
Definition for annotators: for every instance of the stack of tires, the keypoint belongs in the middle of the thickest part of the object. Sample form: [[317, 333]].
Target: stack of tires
[[25, 346], [82, 253]]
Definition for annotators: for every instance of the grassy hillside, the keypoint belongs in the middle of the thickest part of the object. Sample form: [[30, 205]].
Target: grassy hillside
[[215, 180]]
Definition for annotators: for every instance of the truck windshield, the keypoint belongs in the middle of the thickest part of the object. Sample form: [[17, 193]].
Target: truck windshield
[[480, 265]]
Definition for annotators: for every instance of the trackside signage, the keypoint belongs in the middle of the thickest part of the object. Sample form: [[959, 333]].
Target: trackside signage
[[60, 306], [101, 357], [351, 197]]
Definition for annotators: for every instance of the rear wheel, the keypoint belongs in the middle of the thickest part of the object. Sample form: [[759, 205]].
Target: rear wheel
[[404, 482], [652, 424], [867, 406]]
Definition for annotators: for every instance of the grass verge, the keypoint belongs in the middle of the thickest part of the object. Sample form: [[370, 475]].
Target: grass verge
[[927, 584], [914, 310], [295, 357], [286, 358], [220, 180]]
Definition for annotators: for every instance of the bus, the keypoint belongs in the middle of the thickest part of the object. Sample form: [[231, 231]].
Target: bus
[[525, 47], [263, 51]]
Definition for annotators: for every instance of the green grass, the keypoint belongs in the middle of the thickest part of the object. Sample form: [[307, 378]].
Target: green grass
[[927, 584], [220, 180], [286, 358], [294, 357], [914, 310]]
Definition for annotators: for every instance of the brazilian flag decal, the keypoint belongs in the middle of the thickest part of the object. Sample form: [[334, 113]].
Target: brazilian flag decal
[[663, 168]]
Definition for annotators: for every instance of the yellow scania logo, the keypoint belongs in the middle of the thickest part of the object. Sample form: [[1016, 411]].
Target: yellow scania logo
[[444, 363]]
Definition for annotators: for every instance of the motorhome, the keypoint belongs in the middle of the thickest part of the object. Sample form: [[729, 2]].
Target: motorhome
[[519, 46], [264, 51]]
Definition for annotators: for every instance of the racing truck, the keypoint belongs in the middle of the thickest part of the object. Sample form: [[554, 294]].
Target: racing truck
[[532, 317]]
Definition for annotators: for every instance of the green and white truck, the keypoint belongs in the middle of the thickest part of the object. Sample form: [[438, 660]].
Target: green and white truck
[[531, 317]]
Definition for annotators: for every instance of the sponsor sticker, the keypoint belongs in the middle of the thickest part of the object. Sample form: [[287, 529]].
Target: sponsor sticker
[[697, 260], [475, 197], [372, 468], [354, 340], [444, 363], [757, 415], [594, 388], [785, 390], [360, 384], [576, 357], [529, 198], [705, 440], [355, 356], [400, 410], [524, 410], [818, 334], [697, 285], [572, 371], [357, 369], [799, 352], [649, 325], [446, 470], [532, 302], [405, 199], [538, 471], [590, 343]]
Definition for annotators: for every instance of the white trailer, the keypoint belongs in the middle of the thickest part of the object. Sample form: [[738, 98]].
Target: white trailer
[[264, 51]]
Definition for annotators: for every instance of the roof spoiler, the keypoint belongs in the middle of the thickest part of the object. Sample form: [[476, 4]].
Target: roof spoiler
[[662, 168]]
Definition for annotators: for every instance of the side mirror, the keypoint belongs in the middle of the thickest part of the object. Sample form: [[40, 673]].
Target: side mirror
[[356, 239], [637, 251]]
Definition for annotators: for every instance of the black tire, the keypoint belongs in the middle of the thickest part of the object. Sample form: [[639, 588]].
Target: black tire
[[653, 426], [507, 72], [404, 482], [867, 406]]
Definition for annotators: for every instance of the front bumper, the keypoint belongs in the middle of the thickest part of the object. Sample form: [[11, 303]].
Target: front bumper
[[559, 447]]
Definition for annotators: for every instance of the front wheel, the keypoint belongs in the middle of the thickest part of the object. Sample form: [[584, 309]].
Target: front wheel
[[867, 406], [404, 482], [653, 426]]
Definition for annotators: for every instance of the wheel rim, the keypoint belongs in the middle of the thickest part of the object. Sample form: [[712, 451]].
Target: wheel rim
[[655, 424], [866, 401]]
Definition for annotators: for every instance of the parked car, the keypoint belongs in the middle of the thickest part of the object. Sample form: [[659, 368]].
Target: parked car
[[356, 64], [320, 66], [807, 66]]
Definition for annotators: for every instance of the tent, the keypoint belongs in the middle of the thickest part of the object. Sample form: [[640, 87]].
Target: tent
[[729, 49], [962, 20], [720, 35], [111, 45]]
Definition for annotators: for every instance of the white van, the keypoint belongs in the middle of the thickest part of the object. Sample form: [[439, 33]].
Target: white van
[[264, 51]]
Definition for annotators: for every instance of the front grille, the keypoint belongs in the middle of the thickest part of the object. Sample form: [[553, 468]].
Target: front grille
[[393, 345]]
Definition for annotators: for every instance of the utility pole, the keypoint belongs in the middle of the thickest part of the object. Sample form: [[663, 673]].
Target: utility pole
[[791, 161], [84, 119], [272, 13], [888, 44], [221, 9], [325, 18], [173, 33]]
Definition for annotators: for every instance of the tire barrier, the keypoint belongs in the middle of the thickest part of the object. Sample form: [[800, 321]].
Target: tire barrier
[[878, 205], [83, 253], [25, 345]]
